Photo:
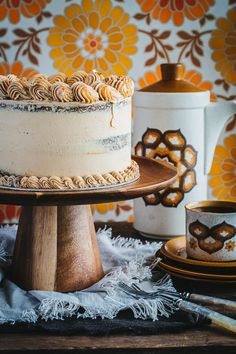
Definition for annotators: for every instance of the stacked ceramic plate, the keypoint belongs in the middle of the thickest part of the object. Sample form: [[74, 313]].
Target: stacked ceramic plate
[[174, 261]]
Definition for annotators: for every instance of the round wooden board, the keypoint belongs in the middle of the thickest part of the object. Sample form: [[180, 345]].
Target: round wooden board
[[154, 175]]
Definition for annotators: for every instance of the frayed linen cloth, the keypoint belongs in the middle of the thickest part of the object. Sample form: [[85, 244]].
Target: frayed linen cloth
[[124, 260]]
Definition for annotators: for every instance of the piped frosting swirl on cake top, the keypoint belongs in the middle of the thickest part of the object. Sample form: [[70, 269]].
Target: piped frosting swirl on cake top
[[4, 84], [79, 87], [94, 77], [58, 77], [123, 84], [61, 92], [84, 93], [79, 75], [18, 90], [40, 88], [106, 92]]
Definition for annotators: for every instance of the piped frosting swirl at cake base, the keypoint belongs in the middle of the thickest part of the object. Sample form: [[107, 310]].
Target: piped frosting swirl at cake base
[[131, 173]]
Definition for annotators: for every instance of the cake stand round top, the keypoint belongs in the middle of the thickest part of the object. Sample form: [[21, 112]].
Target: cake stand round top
[[154, 175]]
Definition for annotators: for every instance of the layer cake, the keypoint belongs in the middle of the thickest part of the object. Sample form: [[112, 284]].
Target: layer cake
[[63, 132]]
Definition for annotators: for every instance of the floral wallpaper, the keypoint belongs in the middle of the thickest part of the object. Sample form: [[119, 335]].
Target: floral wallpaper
[[129, 37]]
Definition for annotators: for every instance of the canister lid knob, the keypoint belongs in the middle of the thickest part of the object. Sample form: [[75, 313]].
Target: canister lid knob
[[172, 71], [172, 80]]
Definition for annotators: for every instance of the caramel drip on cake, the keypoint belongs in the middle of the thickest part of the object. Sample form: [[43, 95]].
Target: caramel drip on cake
[[123, 84], [112, 116], [58, 77], [40, 88], [130, 174], [94, 77], [84, 93], [18, 90], [106, 92], [75, 77], [61, 92]]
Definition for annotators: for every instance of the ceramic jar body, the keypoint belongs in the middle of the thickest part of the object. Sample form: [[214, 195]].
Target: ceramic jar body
[[170, 126]]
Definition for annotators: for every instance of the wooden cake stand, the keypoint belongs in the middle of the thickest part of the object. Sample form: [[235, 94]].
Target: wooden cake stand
[[56, 246]]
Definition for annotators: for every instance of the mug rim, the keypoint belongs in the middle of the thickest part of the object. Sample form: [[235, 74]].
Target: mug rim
[[211, 203]]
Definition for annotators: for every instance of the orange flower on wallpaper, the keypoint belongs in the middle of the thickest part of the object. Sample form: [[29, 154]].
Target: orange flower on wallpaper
[[223, 171], [9, 214], [223, 43], [17, 69], [175, 10], [192, 76], [13, 9], [104, 208], [93, 35]]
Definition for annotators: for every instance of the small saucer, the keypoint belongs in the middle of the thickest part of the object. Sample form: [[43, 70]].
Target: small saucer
[[175, 250], [199, 274], [177, 271], [195, 279]]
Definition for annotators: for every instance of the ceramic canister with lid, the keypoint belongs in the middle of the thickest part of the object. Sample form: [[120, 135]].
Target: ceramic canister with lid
[[175, 121]]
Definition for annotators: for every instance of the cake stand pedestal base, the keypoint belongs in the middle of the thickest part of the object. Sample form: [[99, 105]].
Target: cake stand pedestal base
[[56, 249]]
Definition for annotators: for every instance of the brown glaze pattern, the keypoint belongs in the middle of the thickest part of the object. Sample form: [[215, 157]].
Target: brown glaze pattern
[[172, 145], [219, 234]]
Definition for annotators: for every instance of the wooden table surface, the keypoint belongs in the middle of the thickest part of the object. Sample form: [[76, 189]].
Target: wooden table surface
[[208, 340]]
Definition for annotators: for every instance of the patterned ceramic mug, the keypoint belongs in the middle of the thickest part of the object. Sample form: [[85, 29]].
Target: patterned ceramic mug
[[211, 230]]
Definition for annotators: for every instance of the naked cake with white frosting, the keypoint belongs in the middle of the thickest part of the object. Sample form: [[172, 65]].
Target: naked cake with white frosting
[[62, 132]]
